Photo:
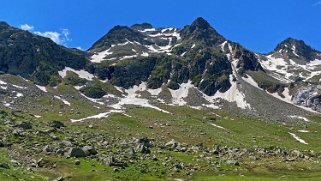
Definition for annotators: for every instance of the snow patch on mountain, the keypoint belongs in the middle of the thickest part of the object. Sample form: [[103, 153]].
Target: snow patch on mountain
[[42, 88], [300, 117], [19, 87], [233, 95], [215, 125], [277, 65], [3, 83], [81, 73], [286, 93], [98, 116], [223, 46], [298, 138], [181, 93], [251, 81], [131, 97], [98, 101], [294, 51], [63, 100], [147, 30], [18, 94], [99, 57], [287, 70]]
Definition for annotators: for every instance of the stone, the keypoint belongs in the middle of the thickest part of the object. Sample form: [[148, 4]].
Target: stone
[[1, 144], [24, 125], [131, 152], [76, 152], [179, 166], [41, 162], [233, 162], [56, 124], [154, 158], [4, 165], [254, 158], [143, 149], [89, 150], [65, 143], [47, 149], [171, 144], [77, 162], [111, 161], [54, 137], [296, 153], [144, 141], [18, 132], [59, 179]]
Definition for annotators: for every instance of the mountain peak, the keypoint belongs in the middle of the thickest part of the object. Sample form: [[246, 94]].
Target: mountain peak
[[292, 41], [201, 30], [201, 23], [142, 26], [119, 28], [294, 48], [118, 34]]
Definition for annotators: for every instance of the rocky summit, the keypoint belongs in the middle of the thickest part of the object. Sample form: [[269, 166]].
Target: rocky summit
[[157, 103]]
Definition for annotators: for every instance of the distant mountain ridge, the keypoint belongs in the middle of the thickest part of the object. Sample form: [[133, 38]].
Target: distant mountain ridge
[[168, 60]]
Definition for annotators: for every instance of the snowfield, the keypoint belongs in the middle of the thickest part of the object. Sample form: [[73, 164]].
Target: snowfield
[[131, 97], [181, 93]]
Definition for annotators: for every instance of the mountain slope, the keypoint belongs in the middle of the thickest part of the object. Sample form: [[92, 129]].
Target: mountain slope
[[34, 57]]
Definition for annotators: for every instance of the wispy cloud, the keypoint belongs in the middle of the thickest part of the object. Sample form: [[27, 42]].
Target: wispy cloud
[[54, 36], [27, 27], [318, 3], [60, 37]]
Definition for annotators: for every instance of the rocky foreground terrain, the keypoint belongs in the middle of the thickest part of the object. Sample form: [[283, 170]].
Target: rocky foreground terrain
[[141, 148]]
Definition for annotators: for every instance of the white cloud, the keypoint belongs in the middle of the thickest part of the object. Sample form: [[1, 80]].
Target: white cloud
[[58, 37], [27, 27], [79, 48], [61, 37], [65, 32], [54, 36]]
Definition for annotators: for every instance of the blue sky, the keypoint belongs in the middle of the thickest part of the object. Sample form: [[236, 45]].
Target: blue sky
[[258, 25]]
